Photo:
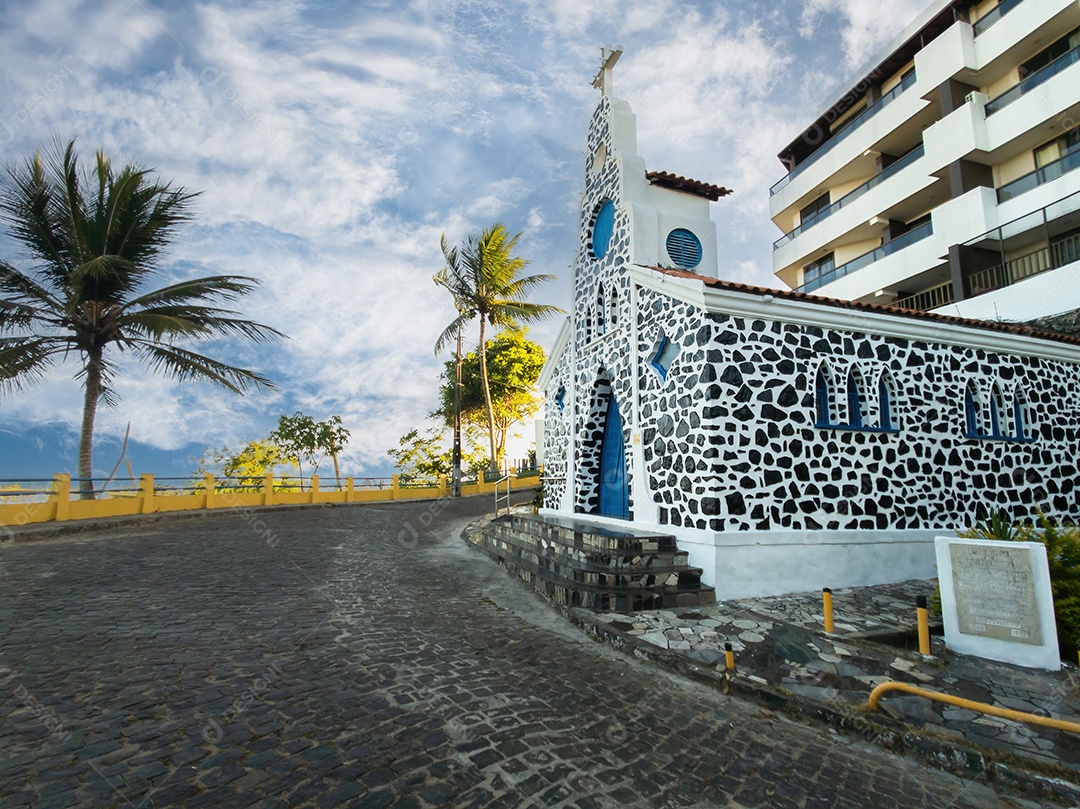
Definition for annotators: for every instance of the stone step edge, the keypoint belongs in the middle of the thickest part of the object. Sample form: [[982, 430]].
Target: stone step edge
[[969, 760], [657, 589], [575, 537], [672, 565]]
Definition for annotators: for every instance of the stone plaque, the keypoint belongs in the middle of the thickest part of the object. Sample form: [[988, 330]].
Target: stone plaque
[[996, 601], [995, 592]]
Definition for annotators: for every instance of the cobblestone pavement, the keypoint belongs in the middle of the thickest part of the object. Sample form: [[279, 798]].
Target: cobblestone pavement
[[363, 656]]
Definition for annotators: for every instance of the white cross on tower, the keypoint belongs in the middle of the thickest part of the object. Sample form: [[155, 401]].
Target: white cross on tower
[[608, 57]]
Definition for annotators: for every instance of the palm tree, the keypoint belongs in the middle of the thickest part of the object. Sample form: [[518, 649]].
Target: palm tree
[[94, 239], [484, 278]]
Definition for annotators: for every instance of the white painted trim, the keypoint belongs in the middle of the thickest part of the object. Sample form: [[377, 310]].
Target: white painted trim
[[553, 357], [806, 313]]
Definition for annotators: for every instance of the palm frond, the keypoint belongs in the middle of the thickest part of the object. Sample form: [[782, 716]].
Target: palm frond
[[450, 333], [184, 365], [24, 360], [161, 322], [19, 287], [224, 287]]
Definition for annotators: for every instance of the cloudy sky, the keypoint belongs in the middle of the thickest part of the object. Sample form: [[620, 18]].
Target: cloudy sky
[[333, 142]]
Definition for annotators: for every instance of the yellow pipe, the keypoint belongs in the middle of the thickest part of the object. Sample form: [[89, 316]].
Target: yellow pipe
[[924, 625], [826, 595], [981, 707]]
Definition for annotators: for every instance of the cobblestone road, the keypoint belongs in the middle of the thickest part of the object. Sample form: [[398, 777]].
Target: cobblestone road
[[362, 656]]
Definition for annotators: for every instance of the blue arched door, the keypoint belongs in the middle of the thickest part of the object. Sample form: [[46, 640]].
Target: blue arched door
[[614, 495]]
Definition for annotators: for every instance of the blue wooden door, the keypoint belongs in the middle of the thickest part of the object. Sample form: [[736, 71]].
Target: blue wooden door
[[614, 495]]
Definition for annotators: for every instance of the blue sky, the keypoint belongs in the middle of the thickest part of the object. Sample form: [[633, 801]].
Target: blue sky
[[333, 142]]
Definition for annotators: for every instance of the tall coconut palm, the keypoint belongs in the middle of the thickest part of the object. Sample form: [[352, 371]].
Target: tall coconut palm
[[93, 240], [484, 277]]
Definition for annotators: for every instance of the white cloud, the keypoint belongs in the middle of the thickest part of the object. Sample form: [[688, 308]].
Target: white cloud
[[866, 26]]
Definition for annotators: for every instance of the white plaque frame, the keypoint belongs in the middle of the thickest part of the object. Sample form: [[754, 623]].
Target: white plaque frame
[[1044, 655]]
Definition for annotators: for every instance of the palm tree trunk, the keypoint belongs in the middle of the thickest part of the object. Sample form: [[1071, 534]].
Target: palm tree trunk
[[493, 466], [456, 458], [86, 436]]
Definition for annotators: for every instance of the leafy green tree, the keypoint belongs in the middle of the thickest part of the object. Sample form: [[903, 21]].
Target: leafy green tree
[[304, 439], [94, 240], [484, 278], [514, 363], [257, 459], [424, 454]]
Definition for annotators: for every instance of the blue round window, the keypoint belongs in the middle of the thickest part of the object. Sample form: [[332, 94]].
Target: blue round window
[[603, 228], [684, 248]]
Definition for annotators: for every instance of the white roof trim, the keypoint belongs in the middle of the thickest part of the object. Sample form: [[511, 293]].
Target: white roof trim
[[553, 357], [806, 313]]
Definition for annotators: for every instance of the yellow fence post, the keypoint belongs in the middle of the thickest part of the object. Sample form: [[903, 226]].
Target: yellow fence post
[[146, 494], [314, 489], [395, 487], [826, 597], [268, 489], [729, 657], [208, 490], [348, 490], [921, 609], [62, 493]]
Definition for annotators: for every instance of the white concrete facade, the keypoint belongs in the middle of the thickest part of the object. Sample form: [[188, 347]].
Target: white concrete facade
[[964, 124]]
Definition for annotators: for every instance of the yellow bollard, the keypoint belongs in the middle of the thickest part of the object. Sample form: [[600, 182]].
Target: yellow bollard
[[826, 596], [729, 656], [924, 624]]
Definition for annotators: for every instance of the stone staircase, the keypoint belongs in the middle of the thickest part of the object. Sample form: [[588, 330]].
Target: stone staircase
[[579, 564]]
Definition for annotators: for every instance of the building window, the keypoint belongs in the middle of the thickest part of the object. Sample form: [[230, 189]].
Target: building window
[[971, 412], [1051, 54], [813, 210], [683, 248], [613, 308], [664, 356], [603, 228], [823, 398], [1019, 422], [560, 398], [854, 399], [1055, 150], [816, 270], [886, 402], [997, 413], [601, 315]]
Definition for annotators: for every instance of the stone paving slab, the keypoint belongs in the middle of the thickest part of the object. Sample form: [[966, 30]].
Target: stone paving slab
[[363, 656], [780, 643]]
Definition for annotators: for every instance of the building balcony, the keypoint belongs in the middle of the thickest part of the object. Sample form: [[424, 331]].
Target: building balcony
[[1048, 173], [851, 126], [1036, 79], [867, 259], [932, 298], [1044, 240], [851, 196], [995, 14]]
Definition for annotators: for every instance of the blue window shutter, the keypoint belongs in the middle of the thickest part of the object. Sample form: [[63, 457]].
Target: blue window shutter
[[684, 248], [1018, 418], [885, 405], [854, 401], [603, 229], [971, 416], [821, 398]]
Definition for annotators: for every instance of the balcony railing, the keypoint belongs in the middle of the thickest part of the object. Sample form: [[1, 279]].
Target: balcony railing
[[932, 298], [995, 14], [866, 259], [852, 195], [849, 127], [1051, 171], [1058, 254], [1034, 80]]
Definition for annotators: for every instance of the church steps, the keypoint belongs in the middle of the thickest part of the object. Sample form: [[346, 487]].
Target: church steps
[[582, 564]]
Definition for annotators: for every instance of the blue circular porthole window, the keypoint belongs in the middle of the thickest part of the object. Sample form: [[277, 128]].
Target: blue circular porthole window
[[603, 228], [684, 248]]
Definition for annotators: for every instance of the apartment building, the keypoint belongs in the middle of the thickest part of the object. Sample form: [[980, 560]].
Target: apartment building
[[946, 176]]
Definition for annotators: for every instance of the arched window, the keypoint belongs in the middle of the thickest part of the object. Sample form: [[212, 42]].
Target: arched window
[[822, 396], [971, 411], [603, 228], [886, 402], [854, 398], [613, 308], [664, 355], [601, 315], [997, 413], [1020, 429]]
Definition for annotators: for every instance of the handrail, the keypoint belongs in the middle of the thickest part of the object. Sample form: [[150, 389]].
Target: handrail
[[866, 259], [980, 707], [994, 14], [504, 479], [1036, 79]]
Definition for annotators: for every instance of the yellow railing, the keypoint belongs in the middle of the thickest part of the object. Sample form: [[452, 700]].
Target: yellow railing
[[61, 506], [981, 707]]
